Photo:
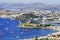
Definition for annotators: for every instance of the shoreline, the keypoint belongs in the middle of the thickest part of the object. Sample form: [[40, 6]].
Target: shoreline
[[47, 36], [50, 28]]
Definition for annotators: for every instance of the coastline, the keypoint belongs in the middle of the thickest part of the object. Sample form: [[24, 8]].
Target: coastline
[[48, 36]]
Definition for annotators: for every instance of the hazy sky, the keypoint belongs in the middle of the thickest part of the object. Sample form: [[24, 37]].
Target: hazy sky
[[32, 1]]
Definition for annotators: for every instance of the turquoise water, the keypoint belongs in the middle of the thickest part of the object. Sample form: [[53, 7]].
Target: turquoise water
[[10, 31]]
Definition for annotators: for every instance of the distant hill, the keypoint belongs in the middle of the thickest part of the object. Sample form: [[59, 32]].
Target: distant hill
[[39, 6]]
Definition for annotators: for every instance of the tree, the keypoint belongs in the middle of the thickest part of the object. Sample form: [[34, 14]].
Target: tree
[[36, 38]]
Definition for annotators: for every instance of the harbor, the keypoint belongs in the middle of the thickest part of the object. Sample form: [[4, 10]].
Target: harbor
[[9, 29], [29, 20]]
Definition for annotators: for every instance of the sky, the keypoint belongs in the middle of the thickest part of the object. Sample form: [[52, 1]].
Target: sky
[[32, 1]]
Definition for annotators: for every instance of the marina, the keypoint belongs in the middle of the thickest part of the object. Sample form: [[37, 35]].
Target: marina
[[29, 19], [10, 31]]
